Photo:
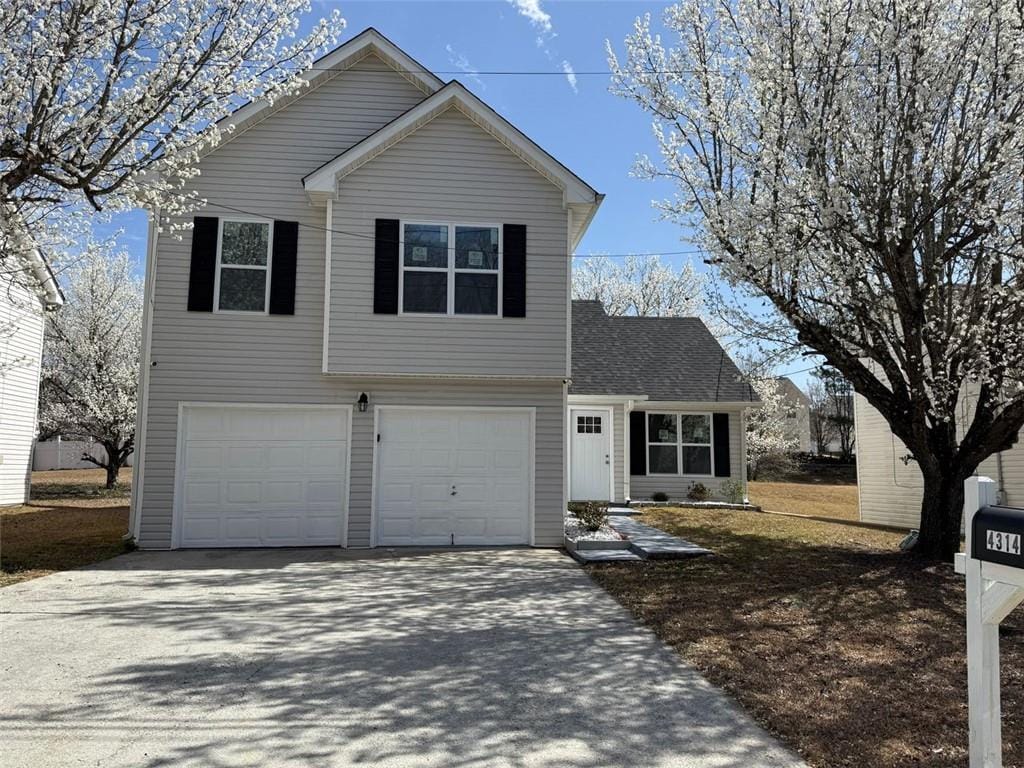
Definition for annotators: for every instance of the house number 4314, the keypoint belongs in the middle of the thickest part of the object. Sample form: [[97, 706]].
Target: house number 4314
[[1003, 542]]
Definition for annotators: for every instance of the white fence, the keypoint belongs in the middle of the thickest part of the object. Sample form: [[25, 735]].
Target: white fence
[[66, 454]]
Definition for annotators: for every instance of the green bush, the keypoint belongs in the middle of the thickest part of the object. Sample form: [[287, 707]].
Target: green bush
[[732, 491], [659, 496], [698, 492], [591, 514]]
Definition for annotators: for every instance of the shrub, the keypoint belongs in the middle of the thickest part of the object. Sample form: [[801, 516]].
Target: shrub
[[772, 466], [659, 496], [591, 514], [732, 491], [698, 492]]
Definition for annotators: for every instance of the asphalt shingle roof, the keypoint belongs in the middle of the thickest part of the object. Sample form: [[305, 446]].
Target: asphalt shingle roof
[[665, 358]]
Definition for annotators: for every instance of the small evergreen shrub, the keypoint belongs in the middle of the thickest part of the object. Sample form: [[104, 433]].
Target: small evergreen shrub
[[698, 492], [591, 514], [732, 491], [659, 496]]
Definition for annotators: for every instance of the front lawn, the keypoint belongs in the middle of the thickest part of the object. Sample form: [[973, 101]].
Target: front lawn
[[825, 500], [851, 652], [71, 521]]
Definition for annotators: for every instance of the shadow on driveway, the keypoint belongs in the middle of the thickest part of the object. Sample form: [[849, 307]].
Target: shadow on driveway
[[330, 658]]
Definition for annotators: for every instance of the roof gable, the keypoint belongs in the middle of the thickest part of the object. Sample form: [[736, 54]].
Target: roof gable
[[322, 183]]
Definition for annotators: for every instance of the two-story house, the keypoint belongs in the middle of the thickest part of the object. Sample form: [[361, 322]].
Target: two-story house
[[364, 339]]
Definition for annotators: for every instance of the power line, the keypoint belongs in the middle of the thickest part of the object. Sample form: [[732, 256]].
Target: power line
[[318, 228]]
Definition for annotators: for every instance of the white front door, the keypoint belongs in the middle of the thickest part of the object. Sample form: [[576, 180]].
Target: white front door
[[453, 476], [261, 476], [591, 468]]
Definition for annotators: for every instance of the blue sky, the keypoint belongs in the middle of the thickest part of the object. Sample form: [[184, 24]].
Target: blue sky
[[574, 117]]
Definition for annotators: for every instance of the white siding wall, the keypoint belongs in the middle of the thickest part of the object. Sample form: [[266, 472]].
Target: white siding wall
[[642, 486], [890, 489], [21, 344], [199, 356], [450, 170]]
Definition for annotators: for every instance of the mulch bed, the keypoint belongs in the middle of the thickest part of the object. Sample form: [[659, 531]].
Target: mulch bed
[[849, 651]]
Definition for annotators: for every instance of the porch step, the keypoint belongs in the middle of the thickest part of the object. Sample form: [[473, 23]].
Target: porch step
[[604, 555], [654, 544]]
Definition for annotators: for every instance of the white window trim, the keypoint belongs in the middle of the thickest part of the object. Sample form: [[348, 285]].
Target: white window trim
[[710, 445], [450, 270], [266, 268]]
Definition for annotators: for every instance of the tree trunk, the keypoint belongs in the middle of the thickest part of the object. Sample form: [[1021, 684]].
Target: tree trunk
[[112, 470], [942, 507]]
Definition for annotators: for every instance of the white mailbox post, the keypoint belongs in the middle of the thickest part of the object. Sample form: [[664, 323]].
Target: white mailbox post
[[993, 563]]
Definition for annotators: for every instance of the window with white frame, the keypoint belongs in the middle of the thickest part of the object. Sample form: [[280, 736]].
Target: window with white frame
[[679, 444], [451, 269], [243, 265]]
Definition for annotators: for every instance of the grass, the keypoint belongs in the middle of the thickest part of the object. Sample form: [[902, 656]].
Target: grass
[[72, 520], [852, 653], [826, 500]]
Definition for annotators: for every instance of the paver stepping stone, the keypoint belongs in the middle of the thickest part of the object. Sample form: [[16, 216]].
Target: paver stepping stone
[[652, 543]]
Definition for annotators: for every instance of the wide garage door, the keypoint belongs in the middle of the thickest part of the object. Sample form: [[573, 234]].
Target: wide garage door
[[457, 477], [252, 476]]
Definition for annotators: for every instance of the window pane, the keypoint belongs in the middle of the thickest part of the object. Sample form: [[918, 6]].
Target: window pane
[[244, 242], [695, 429], [663, 460], [696, 460], [425, 292], [476, 247], [661, 428], [244, 290], [426, 245], [476, 294]]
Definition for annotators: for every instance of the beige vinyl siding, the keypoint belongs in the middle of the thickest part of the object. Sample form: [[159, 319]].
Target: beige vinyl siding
[[21, 343], [450, 170], [234, 358], [677, 486], [890, 489]]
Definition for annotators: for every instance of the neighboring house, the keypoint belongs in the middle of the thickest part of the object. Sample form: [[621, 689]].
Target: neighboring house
[[798, 415], [655, 405], [23, 305], [376, 352], [889, 482]]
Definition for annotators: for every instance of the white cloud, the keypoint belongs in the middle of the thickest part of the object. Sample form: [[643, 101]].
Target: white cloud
[[570, 75], [531, 9], [459, 60]]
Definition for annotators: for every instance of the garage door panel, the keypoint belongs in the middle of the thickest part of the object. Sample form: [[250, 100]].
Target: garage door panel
[[483, 454], [263, 476]]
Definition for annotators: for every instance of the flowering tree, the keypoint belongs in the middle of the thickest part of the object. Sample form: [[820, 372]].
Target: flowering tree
[[108, 104], [858, 165], [770, 442], [639, 285], [91, 360]]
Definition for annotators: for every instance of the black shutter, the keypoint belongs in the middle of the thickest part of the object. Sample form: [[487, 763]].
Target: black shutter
[[637, 443], [513, 293], [720, 423], [282, 268], [385, 267], [204, 264]]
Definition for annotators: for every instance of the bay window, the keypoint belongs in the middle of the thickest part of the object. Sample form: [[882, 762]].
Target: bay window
[[450, 269], [679, 444]]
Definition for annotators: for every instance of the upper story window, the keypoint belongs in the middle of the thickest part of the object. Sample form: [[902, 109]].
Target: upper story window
[[679, 440], [450, 269], [243, 265]]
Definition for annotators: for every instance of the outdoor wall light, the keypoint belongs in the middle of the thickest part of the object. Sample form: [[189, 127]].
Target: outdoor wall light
[[362, 402]]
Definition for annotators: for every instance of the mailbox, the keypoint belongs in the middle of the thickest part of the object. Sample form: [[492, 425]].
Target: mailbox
[[997, 536]]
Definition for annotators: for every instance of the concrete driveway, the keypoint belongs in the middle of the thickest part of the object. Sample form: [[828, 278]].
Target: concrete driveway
[[333, 658]]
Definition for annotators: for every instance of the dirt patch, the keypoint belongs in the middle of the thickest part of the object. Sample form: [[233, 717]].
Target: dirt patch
[[851, 652], [837, 501], [78, 523]]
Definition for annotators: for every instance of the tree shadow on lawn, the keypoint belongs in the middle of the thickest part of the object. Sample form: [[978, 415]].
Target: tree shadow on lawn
[[324, 658], [855, 654]]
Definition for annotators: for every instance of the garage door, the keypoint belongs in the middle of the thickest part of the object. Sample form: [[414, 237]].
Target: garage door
[[262, 476], [453, 477]]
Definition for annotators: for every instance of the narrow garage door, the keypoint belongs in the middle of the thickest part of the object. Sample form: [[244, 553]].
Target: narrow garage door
[[251, 476], [453, 477]]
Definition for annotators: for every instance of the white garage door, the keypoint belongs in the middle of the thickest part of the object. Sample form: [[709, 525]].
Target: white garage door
[[453, 477], [251, 476]]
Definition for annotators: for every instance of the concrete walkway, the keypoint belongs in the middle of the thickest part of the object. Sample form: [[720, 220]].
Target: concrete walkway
[[332, 658]]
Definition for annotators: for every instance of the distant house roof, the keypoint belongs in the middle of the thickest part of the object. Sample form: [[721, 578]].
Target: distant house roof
[[664, 358]]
